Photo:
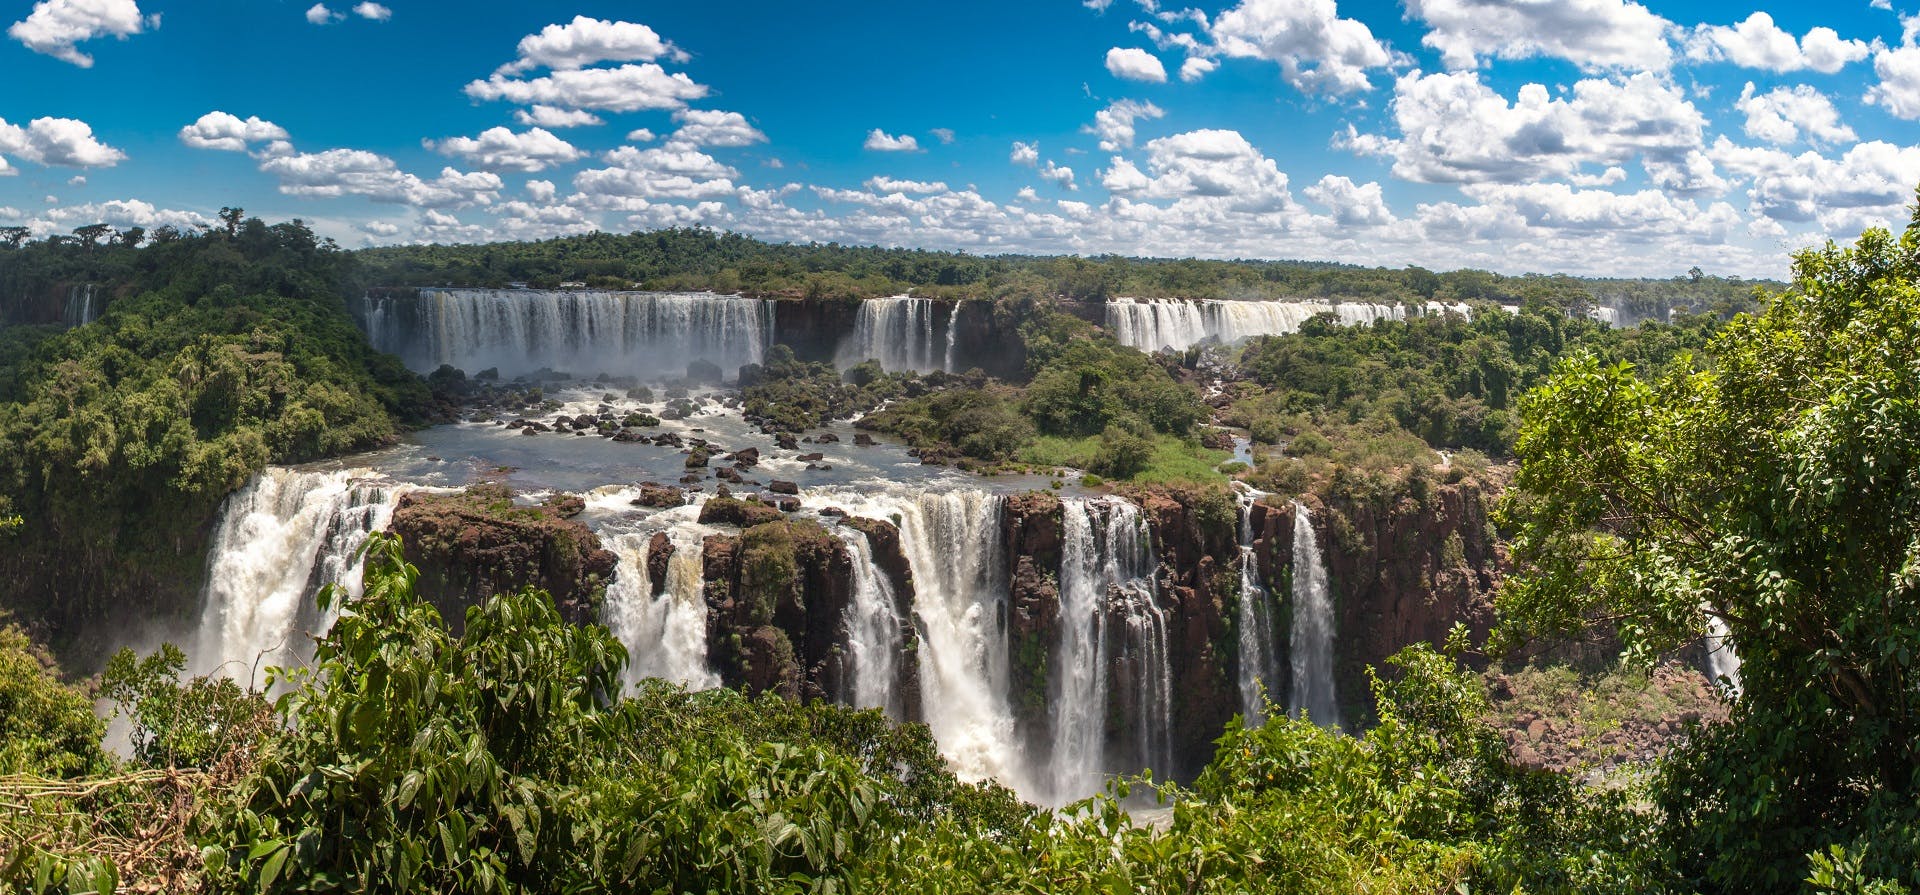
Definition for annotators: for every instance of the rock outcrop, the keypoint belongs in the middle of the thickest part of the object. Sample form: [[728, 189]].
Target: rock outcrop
[[1195, 537], [1032, 530], [777, 595], [475, 543]]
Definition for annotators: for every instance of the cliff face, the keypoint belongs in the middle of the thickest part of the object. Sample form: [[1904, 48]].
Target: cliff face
[[1031, 531], [476, 543], [775, 595], [1404, 567], [813, 327], [1195, 538]]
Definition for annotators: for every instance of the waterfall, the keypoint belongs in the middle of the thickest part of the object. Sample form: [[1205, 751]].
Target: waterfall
[[1106, 572], [952, 544], [520, 331], [1311, 644], [1151, 324], [80, 310], [1722, 662], [899, 333], [1259, 663], [873, 631], [953, 338], [665, 636], [281, 538]]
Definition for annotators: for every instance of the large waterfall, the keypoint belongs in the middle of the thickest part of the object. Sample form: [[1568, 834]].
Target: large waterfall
[[1311, 644], [280, 539], [952, 544], [520, 331], [1106, 575], [902, 334], [1259, 659], [665, 636], [1152, 324]]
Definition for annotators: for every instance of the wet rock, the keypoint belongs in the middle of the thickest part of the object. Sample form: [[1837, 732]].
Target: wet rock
[[826, 438], [743, 513], [781, 487], [658, 496], [811, 458], [728, 474], [783, 503], [660, 552], [745, 458], [697, 458], [862, 439]]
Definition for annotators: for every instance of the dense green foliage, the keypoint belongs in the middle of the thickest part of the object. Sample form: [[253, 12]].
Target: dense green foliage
[[219, 355], [1449, 381], [504, 759], [1774, 489], [45, 727], [728, 262]]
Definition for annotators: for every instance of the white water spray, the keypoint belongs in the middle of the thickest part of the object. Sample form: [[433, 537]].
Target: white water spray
[[520, 331], [665, 636], [1311, 644], [1106, 570], [280, 539], [898, 332], [1259, 662]]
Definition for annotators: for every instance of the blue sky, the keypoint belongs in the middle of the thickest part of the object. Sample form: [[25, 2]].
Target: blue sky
[[1587, 136]]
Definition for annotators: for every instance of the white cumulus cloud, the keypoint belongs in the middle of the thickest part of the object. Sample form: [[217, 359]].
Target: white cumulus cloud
[[1899, 89], [1114, 125], [1592, 34], [355, 172], [884, 184], [319, 14], [628, 88], [1027, 154], [1317, 51], [1758, 43], [372, 11], [588, 41], [223, 131], [1456, 129], [551, 117], [881, 141], [500, 149], [1781, 116], [65, 142], [704, 127], [55, 27], [1135, 64]]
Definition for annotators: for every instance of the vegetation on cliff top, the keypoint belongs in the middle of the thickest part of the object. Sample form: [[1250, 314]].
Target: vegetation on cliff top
[[223, 353]]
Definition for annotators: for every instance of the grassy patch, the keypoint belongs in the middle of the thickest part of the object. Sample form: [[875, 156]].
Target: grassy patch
[[1174, 460]]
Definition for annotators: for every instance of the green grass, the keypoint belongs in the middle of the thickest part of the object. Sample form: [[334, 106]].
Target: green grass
[[1175, 460]]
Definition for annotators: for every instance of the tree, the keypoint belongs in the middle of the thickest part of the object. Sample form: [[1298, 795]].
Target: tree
[[1773, 490], [232, 217], [13, 237], [91, 234]]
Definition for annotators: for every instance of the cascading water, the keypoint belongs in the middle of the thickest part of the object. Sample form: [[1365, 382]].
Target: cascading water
[[873, 631], [1259, 660], [953, 338], [1722, 662], [520, 331], [952, 544], [898, 332], [1158, 323], [280, 539], [80, 310], [1106, 572], [665, 636], [1311, 644]]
